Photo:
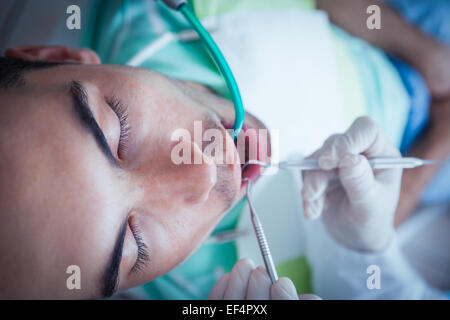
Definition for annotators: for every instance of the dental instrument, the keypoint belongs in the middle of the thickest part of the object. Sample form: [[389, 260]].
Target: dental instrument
[[261, 237], [376, 163], [181, 6]]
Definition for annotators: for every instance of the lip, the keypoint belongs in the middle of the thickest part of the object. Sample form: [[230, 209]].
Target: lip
[[253, 171]]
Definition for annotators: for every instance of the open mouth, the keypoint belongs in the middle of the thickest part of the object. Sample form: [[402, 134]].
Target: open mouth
[[252, 138]]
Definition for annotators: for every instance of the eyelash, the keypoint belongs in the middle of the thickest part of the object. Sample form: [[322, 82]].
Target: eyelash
[[122, 113], [142, 253]]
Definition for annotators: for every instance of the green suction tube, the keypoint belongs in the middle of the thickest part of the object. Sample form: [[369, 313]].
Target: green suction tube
[[221, 63]]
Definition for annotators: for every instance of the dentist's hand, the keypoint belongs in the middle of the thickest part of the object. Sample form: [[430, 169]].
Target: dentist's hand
[[245, 282], [357, 203]]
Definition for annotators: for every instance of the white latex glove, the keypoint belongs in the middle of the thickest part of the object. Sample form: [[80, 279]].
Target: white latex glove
[[245, 282], [357, 203]]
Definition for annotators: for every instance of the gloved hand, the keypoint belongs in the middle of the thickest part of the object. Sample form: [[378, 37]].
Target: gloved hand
[[357, 203], [245, 282]]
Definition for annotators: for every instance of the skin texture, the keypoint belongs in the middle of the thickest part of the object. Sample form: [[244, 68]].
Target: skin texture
[[62, 202]]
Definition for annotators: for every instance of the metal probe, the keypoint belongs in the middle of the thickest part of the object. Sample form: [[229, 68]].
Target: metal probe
[[376, 163], [261, 237]]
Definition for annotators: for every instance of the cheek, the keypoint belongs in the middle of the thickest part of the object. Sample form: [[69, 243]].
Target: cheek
[[172, 238]]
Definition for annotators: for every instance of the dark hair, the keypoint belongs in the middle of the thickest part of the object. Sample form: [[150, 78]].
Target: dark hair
[[12, 70]]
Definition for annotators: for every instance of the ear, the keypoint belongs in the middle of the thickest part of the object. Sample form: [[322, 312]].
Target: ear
[[53, 54]]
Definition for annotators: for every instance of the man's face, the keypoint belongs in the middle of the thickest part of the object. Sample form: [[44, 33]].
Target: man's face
[[86, 165]]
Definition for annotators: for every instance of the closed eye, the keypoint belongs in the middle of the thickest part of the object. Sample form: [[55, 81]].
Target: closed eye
[[143, 256], [121, 112]]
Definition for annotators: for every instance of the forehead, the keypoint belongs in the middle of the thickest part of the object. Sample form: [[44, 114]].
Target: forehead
[[57, 191]]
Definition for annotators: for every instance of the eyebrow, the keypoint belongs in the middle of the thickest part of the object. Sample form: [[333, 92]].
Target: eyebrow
[[110, 277], [84, 111], [111, 274]]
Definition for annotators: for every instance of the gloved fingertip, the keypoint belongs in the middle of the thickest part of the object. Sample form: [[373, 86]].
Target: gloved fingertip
[[245, 263], [283, 289], [259, 285], [240, 274], [308, 296]]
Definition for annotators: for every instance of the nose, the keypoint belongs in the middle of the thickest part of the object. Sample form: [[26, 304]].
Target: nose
[[195, 180]]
